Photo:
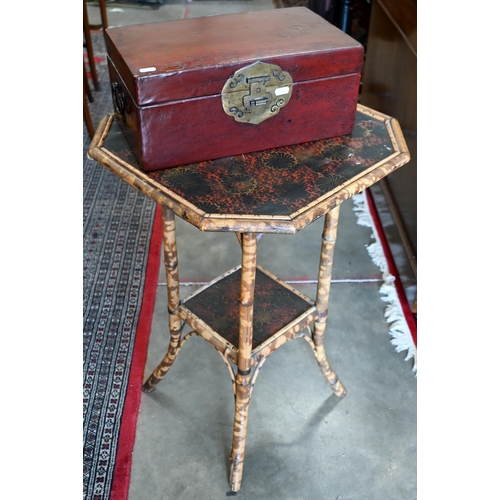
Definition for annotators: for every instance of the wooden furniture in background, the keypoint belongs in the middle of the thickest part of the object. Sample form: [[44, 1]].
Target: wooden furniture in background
[[87, 97], [275, 191], [104, 17], [87, 44], [337, 12], [390, 86]]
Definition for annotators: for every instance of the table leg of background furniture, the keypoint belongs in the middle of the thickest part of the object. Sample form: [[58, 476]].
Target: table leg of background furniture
[[88, 45], [243, 375], [324, 281], [171, 268]]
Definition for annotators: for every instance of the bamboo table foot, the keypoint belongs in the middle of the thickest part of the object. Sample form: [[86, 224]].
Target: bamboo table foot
[[277, 191]]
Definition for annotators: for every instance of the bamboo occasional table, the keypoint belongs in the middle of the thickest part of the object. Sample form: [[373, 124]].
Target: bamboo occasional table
[[275, 191]]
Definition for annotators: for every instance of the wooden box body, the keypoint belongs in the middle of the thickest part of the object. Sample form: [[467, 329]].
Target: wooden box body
[[167, 79]]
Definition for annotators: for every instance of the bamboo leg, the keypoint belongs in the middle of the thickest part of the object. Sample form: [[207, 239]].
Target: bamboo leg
[[171, 267], [243, 375], [239, 237], [324, 281]]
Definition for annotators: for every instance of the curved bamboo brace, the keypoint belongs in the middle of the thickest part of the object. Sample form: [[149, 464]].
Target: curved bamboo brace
[[306, 338], [187, 336], [229, 368], [255, 374]]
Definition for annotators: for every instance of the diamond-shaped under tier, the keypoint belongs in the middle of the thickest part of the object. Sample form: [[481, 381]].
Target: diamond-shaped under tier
[[275, 306]]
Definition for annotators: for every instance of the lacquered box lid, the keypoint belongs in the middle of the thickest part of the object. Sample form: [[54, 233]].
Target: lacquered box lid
[[183, 59]]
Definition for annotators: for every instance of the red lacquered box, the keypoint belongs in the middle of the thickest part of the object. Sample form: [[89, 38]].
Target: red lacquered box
[[198, 89]]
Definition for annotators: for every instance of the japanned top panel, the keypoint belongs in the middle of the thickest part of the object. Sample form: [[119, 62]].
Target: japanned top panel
[[274, 191], [186, 58]]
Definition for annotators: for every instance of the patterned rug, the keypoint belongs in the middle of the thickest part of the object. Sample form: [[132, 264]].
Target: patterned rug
[[119, 284]]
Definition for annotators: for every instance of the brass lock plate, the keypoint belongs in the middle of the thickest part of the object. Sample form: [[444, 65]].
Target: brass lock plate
[[256, 92]]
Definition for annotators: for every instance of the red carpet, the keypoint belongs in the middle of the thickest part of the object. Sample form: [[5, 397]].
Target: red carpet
[[402, 322], [121, 475], [410, 318]]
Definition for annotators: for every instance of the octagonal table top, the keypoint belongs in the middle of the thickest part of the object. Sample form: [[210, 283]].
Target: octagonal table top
[[274, 191]]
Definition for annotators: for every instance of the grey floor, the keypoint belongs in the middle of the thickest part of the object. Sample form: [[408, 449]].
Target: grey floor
[[303, 442]]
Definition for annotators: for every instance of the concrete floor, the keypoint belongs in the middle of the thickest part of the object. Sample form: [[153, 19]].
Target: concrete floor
[[303, 442]]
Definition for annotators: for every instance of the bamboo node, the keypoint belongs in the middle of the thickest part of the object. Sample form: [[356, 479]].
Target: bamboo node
[[329, 240], [242, 381], [245, 303], [322, 315]]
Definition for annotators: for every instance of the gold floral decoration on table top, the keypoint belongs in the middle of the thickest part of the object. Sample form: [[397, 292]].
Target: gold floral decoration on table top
[[280, 160], [178, 177], [239, 183], [330, 182], [209, 207], [221, 323], [338, 152], [263, 316]]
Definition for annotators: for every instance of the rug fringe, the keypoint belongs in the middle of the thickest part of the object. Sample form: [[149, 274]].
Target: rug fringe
[[402, 339]]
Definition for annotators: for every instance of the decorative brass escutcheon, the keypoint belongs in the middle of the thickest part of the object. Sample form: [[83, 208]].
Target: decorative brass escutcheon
[[256, 92]]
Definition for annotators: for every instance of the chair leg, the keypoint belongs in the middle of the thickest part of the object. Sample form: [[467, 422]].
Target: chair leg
[[104, 17], [86, 113], [86, 85], [104, 14], [171, 268], [88, 45], [323, 293], [243, 376]]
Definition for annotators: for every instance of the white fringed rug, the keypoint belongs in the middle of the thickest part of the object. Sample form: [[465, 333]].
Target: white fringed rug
[[402, 324]]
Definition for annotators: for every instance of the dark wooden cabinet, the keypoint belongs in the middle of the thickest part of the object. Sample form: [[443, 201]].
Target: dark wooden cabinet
[[390, 86]]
